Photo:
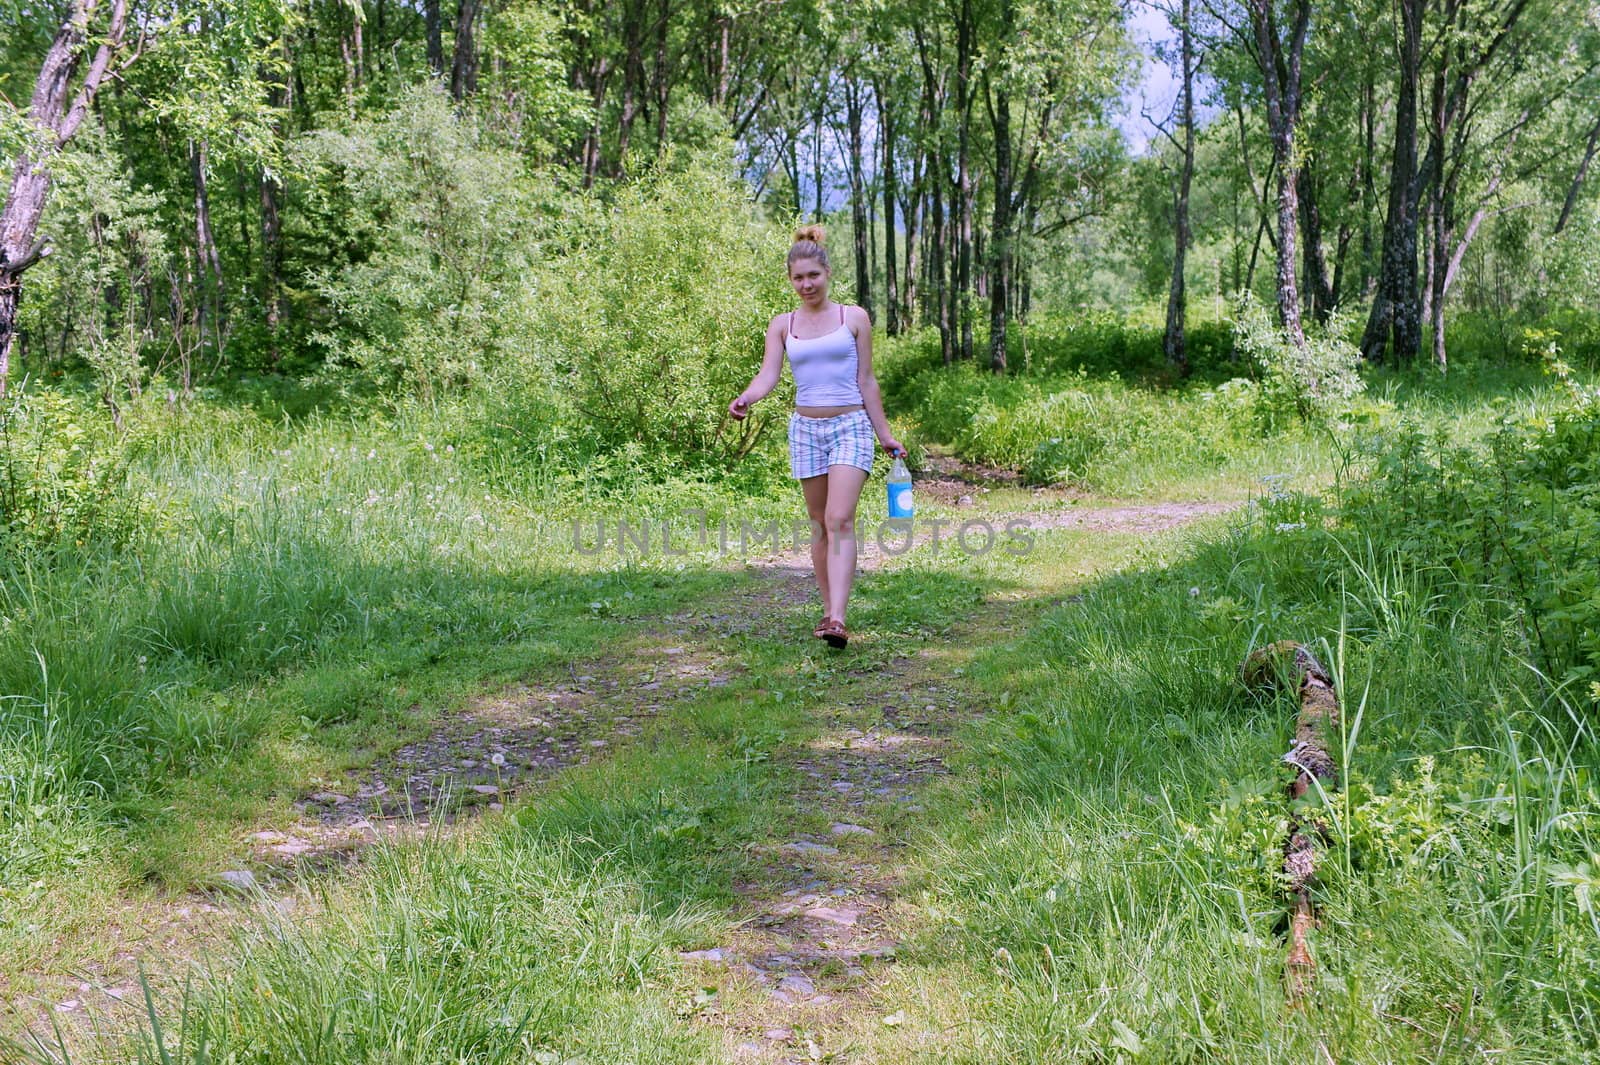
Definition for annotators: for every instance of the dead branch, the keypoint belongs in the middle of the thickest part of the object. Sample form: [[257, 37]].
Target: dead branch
[[1289, 666]]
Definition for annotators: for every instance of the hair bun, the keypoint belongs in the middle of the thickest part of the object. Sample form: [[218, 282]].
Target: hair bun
[[813, 233]]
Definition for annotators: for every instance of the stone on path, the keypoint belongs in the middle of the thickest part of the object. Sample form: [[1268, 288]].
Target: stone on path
[[241, 879], [844, 829], [842, 916], [797, 984], [805, 846]]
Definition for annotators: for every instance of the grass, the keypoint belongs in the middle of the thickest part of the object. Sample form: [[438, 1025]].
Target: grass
[[1103, 881], [1082, 414], [306, 597], [569, 910], [1096, 881]]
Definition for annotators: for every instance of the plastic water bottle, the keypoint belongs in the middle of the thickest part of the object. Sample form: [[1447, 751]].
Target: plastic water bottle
[[900, 505]]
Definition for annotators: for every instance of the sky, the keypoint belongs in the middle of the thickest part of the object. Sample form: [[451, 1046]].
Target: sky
[[1157, 87]]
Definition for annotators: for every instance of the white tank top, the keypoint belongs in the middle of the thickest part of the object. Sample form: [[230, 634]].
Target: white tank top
[[824, 367]]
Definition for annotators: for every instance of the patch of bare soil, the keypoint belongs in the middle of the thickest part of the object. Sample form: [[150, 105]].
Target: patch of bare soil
[[1143, 519]]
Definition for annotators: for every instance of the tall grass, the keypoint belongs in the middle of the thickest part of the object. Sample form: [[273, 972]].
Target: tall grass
[[551, 938], [349, 557], [1119, 892], [1094, 407]]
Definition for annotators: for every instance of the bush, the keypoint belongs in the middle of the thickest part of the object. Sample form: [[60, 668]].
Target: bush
[[446, 234], [1076, 429], [63, 474], [1520, 517], [1311, 381], [656, 318]]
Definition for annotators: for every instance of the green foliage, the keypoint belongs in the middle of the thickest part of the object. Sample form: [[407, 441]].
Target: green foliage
[[1131, 820], [1315, 380], [1520, 516], [528, 99], [96, 294], [447, 230], [656, 318], [63, 474], [1075, 429]]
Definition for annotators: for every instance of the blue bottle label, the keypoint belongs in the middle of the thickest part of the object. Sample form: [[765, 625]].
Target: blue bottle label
[[900, 505]]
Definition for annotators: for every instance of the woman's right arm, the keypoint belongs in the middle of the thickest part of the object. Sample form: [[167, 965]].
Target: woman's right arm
[[766, 379]]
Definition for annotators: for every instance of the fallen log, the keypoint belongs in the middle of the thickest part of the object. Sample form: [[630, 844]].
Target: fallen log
[[1289, 666]]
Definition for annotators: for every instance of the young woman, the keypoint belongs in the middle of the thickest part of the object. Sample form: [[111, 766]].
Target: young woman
[[837, 410]]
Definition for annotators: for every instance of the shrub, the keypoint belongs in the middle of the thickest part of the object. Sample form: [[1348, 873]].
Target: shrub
[[63, 474], [1077, 429], [445, 231], [656, 318], [1311, 381], [1520, 517]]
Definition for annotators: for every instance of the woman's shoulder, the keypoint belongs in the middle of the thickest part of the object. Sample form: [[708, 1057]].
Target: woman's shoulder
[[857, 318]]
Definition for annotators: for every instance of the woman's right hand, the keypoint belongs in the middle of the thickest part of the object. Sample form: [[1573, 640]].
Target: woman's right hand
[[739, 408]]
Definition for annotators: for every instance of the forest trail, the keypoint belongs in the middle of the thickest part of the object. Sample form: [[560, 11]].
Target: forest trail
[[796, 979]]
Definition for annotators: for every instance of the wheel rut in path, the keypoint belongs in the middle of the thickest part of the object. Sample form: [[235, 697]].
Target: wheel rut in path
[[797, 979]]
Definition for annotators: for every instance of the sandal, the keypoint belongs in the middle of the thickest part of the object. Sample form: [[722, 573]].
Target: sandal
[[820, 626], [834, 633]]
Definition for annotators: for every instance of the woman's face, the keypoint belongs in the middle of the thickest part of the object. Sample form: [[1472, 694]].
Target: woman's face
[[810, 279]]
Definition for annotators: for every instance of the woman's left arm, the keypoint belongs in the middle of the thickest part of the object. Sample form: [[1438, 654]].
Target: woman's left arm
[[861, 325]]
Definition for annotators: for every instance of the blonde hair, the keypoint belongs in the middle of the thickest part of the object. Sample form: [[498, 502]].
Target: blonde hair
[[808, 244]]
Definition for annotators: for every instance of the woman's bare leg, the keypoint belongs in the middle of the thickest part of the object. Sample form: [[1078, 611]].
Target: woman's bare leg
[[816, 491], [839, 519]]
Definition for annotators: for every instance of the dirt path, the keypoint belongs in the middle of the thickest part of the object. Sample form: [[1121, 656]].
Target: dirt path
[[797, 979]]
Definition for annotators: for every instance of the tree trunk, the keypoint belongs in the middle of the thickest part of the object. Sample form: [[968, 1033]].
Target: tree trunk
[[434, 29], [853, 103], [792, 157], [271, 260], [1177, 298], [1280, 68], [632, 81], [1577, 179], [57, 122], [1001, 241], [965, 194], [816, 155], [599, 73], [1395, 305], [911, 210], [938, 181], [1320, 289], [464, 67], [725, 36], [662, 75], [1369, 187], [209, 291], [891, 286], [1438, 261], [1000, 232], [1025, 271]]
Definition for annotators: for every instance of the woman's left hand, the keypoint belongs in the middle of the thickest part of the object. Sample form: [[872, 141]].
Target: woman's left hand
[[892, 446]]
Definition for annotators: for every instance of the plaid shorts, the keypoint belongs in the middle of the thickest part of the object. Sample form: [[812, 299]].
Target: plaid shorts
[[817, 443]]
